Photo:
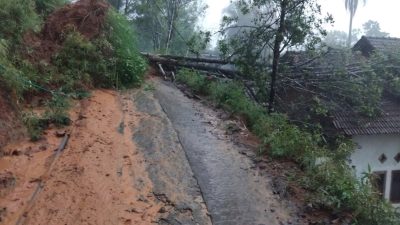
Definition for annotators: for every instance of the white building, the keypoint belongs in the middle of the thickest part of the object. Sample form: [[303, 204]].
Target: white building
[[378, 140], [378, 146]]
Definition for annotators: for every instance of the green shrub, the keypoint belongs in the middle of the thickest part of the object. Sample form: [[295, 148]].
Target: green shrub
[[17, 17], [11, 78], [45, 7], [129, 65], [35, 125], [228, 95], [83, 64], [196, 82], [56, 113], [336, 187], [57, 110]]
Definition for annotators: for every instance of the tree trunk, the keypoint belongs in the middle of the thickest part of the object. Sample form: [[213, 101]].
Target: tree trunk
[[198, 59], [119, 2], [199, 65], [276, 56], [126, 6], [171, 26], [350, 30]]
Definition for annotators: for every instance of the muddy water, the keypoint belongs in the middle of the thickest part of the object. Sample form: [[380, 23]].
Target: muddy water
[[234, 193]]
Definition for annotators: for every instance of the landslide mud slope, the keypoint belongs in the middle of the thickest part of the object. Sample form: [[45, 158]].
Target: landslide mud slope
[[99, 178]]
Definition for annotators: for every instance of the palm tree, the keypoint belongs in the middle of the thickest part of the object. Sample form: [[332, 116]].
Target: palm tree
[[351, 6]]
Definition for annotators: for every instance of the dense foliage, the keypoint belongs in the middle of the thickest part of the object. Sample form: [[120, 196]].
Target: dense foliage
[[316, 82], [335, 80], [45, 7], [373, 29], [110, 59], [332, 182], [277, 26], [17, 17], [165, 26], [386, 65], [129, 65]]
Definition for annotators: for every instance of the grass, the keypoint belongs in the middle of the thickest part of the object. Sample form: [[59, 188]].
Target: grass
[[35, 125], [55, 113], [331, 183], [57, 108]]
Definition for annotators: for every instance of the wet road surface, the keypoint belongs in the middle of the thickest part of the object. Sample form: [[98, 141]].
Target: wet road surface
[[234, 193]]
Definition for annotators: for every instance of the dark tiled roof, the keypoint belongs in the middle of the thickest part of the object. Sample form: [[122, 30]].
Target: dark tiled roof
[[380, 44], [389, 120], [346, 119], [387, 123], [385, 44], [327, 62]]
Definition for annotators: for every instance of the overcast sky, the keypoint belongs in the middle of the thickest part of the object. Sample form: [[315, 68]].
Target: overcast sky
[[386, 12]]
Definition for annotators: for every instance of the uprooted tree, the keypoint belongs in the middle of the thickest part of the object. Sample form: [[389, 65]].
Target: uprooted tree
[[278, 26]]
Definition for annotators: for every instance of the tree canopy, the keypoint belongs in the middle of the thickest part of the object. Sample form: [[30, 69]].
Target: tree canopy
[[278, 25], [373, 29], [165, 26]]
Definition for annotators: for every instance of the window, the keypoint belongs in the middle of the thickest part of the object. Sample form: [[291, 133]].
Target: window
[[395, 187], [380, 182]]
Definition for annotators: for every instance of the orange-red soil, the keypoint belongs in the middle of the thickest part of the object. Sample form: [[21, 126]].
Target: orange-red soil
[[11, 128], [99, 178]]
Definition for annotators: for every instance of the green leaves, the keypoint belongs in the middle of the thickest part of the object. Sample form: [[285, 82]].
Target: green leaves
[[129, 65], [3, 50], [386, 65], [17, 17], [78, 61], [373, 29], [45, 7], [199, 42], [168, 26], [57, 110]]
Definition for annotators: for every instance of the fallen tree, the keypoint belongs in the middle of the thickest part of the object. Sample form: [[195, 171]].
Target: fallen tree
[[204, 64], [198, 59]]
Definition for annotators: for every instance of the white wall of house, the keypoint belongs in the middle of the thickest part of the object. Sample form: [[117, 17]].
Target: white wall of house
[[369, 150]]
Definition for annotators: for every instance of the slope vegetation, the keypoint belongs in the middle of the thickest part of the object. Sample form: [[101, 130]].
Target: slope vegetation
[[51, 53]]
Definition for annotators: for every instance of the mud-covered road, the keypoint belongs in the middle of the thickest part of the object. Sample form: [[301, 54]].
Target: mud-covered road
[[144, 156]]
